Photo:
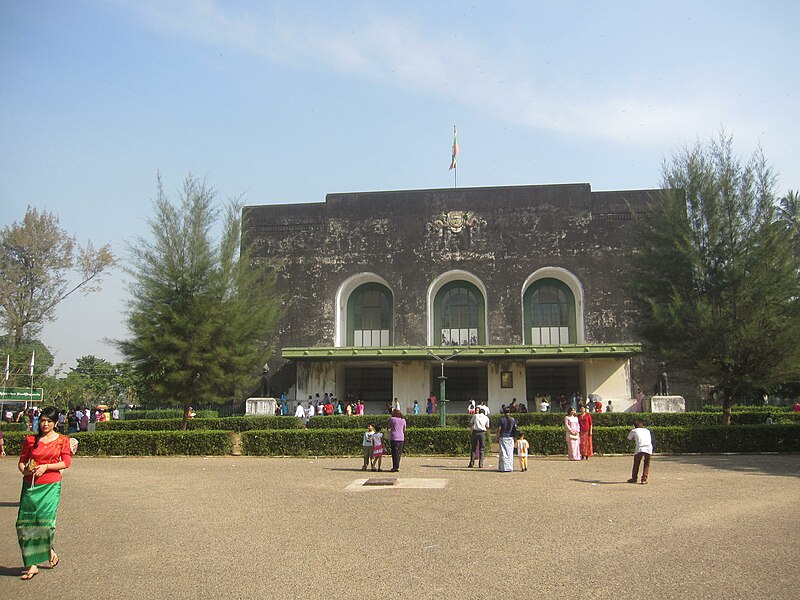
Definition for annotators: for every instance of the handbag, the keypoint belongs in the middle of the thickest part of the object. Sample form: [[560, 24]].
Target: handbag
[[377, 450]]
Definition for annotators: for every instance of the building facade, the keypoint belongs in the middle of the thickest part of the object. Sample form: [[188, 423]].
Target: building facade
[[513, 292]]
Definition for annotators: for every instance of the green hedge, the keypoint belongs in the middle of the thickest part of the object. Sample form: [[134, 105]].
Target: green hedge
[[12, 426], [171, 413], [747, 408], [345, 442], [140, 443], [689, 419], [422, 441], [676, 440], [218, 424], [543, 440], [361, 421]]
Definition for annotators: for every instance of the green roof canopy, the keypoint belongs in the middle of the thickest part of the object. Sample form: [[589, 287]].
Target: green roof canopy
[[465, 352]]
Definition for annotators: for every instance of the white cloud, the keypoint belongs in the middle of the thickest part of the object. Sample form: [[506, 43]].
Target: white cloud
[[394, 52]]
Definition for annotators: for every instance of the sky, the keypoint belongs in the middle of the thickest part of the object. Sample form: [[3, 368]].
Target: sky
[[285, 102]]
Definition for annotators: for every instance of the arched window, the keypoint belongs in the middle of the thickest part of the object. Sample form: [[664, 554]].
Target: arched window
[[369, 316], [459, 315], [549, 313]]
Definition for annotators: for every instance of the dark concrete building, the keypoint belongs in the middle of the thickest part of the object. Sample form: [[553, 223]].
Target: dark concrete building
[[522, 286]]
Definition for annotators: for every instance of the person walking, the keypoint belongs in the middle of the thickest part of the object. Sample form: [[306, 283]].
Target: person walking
[[397, 433], [480, 423], [644, 450], [43, 458]]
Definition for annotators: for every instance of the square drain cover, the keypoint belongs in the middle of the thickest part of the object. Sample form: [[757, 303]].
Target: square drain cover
[[381, 481]]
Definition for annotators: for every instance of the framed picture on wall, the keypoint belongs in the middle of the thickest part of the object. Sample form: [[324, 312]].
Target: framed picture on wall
[[506, 379]]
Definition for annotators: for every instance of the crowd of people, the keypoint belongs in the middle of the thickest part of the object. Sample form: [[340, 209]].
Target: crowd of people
[[563, 402], [578, 430], [67, 421], [328, 404]]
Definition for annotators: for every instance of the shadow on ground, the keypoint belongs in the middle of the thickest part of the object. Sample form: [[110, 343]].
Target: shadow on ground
[[786, 465]]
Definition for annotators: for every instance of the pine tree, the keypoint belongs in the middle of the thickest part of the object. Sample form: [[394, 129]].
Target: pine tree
[[715, 282], [200, 311]]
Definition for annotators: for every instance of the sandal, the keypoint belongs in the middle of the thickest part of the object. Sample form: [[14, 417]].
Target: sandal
[[28, 575], [53, 560]]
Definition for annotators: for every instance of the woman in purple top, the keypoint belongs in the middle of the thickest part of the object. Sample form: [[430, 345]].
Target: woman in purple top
[[397, 432]]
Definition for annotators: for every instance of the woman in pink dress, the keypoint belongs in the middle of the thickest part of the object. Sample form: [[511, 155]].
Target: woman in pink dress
[[573, 435]]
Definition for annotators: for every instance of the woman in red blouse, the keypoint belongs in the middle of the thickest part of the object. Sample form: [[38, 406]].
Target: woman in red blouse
[[585, 421], [41, 462]]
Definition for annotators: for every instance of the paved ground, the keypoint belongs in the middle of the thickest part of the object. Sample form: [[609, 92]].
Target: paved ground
[[227, 527]]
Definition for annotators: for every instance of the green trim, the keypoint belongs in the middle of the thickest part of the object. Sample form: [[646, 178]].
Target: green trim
[[526, 304], [466, 352], [481, 306], [351, 302]]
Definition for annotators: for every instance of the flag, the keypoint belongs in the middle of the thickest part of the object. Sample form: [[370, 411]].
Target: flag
[[8, 366], [455, 149], [33, 360]]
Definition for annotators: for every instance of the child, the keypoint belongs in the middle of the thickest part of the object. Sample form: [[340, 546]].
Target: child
[[522, 452], [644, 448], [366, 444], [377, 448]]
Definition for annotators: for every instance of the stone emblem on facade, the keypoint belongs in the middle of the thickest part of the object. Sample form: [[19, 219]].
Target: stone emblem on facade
[[456, 228], [455, 221]]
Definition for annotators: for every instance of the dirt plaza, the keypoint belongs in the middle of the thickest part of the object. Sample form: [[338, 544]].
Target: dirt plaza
[[248, 527]]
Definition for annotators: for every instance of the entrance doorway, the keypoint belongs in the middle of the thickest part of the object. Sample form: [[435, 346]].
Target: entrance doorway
[[464, 383], [551, 381], [372, 384]]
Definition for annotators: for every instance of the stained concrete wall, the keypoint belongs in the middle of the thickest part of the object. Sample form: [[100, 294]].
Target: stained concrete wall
[[315, 378], [610, 378], [315, 247], [411, 381]]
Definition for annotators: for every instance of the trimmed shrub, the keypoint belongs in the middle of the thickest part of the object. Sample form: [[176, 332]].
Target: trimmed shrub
[[12, 441], [680, 440], [746, 408], [361, 421], [141, 443], [688, 419], [548, 419], [12, 426], [217, 424], [347, 442], [154, 443], [170, 413]]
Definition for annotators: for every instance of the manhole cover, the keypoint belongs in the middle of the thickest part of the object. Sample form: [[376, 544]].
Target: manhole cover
[[381, 481]]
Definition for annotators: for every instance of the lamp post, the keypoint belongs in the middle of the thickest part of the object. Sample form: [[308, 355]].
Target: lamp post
[[442, 379]]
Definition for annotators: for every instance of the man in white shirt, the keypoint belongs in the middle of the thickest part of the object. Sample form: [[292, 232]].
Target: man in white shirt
[[644, 449], [480, 423], [545, 405], [483, 408], [309, 412]]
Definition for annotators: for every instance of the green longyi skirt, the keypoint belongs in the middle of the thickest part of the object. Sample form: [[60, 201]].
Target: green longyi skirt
[[36, 521]]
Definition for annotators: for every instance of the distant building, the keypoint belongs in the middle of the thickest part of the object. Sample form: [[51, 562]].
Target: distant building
[[524, 283]]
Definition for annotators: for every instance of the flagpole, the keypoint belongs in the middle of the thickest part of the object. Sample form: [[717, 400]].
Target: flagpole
[[33, 359], [454, 161]]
